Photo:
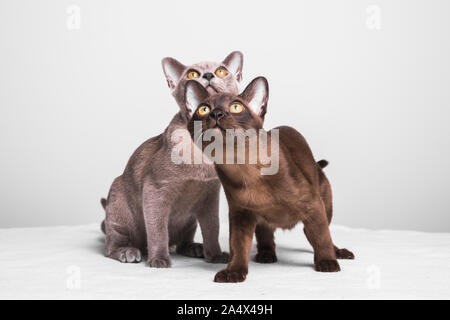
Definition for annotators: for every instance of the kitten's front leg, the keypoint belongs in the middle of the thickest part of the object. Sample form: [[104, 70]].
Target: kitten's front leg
[[156, 217], [242, 227], [208, 218]]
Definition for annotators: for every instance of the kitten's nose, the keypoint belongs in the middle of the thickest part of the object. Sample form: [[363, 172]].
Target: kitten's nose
[[208, 76], [216, 114]]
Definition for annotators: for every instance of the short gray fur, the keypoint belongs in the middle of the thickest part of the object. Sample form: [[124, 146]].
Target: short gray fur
[[156, 203]]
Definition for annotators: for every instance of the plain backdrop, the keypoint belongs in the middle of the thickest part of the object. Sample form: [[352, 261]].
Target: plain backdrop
[[366, 82]]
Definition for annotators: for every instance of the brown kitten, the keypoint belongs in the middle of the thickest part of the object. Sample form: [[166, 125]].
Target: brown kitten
[[156, 203], [298, 192]]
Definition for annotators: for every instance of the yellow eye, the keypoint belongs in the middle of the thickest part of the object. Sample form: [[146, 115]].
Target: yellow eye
[[203, 110], [193, 75], [221, 72], [236, 108]]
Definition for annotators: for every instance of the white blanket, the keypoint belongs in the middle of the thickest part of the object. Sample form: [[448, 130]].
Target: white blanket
[[68, 263]]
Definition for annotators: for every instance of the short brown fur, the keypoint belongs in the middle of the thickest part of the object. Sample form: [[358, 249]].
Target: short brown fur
[[299, 192]]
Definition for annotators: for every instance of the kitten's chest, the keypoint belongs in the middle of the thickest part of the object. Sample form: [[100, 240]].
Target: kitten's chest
[[189, 160], [253, 197], [199, 172]]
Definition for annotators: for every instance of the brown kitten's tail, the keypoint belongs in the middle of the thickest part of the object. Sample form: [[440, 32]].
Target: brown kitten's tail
[[103, 202], [322, 163]]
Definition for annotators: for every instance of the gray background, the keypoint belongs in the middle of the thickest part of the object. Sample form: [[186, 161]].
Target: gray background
[[375, 103]]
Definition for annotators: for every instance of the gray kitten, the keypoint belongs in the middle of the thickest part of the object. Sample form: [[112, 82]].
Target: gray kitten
[[155, 203]]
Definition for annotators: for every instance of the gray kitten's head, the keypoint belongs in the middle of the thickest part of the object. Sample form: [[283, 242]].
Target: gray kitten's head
[[215, 77]]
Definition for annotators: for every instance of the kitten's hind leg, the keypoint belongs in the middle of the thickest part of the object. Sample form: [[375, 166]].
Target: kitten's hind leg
[[341, 254], [318, 234], [326, 195], [118, 244], [265, 244]]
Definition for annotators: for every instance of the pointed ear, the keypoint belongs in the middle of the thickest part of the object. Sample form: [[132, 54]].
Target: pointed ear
[[173, 70], [194, 94], [256, 95], [234, 62]]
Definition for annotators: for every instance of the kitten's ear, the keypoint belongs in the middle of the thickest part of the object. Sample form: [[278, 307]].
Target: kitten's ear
[[256, 95], [234, 62], [173, 70], [194, 94]]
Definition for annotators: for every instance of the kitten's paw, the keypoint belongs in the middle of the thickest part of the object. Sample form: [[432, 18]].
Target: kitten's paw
[[266, 256], [327, 266], [159, 263], [129, 255], [344, 254], [230, 276], [194, 250], [224, 257]]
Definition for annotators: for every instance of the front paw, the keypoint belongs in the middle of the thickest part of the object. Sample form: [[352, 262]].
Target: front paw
[[159, 263], [224, 257], [194, 250], [266, 256], [327, 266], [230, 276]]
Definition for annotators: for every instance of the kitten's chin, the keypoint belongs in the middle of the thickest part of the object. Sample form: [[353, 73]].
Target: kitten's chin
[[217, 129]]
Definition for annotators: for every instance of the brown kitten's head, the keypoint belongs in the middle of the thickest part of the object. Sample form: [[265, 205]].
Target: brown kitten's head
[[215, 77], [227, 111]]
